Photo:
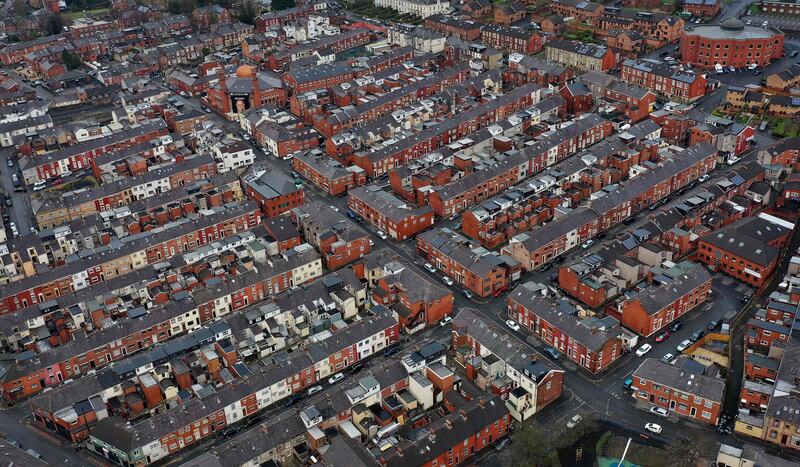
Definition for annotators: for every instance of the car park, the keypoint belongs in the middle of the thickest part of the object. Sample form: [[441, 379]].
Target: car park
[[684, 345], [335, 378], [512, 324], [653, 428], [659, 411], [642, 351]]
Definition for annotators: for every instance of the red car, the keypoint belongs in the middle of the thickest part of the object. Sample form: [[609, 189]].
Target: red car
[[662, 337]]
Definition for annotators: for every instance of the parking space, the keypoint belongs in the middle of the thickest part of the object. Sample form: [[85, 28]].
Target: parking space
[[789, 25]]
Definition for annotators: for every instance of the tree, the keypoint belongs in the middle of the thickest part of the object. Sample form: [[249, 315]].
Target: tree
[[532, 446], [19, 8], [71, 60], [282, 4], [247, 12], [55, 24]]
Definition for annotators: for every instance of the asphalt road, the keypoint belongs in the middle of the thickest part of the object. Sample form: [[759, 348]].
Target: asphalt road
[[21, 211]]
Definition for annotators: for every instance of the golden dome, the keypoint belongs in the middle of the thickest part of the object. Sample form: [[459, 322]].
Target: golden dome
[[244, 71]]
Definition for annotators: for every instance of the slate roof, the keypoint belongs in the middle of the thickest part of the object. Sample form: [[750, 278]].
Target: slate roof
[[560, 315], [654, 299], [749, 238], [676, 378]]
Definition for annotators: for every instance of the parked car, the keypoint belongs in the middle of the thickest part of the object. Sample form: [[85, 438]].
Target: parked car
[[382, 234], [313, 390], [662, 337], [732, 160], [334, 208], [703, 178], [467, 293], [389, 351], [502, 444], [642, 351], [676, 326], [429, 267], [356, 368], [445, 321], [667, 357], [697, 335], [512, 325], [294, 400], [40, 185], [660, 411], [684, 345], [335, 378], [628, 383], [447, 280], [713, 324], [653, 428], [574, 421], [10, 161], [587, 244], [553, 353], [288, 157]]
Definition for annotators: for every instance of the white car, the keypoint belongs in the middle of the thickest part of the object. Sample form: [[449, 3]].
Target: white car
[[587, 244], [382, 234], [445, 321], [641, 351], [429, 267], [732, 160], [659, 411], [371, 243], [653, 428], [447, 280], [573, 422], [288, 157], [334, 208], [40, 186], [703, 178], [335, 378], [313, 390], [512, 324], [684, 345]]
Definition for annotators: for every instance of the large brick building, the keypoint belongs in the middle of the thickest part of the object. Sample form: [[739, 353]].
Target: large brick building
[[676, 84], [730, 43], [591, 343], [665, 300], [275, 193], [681, 388], [747, 250], [585, 11], [389, 213], [339, 240], [328, 174], [580, 56], [452, 253]]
